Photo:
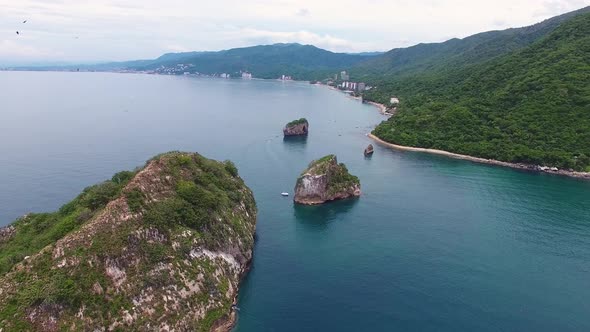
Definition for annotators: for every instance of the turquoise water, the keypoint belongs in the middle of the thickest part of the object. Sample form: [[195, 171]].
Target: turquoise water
[[434, 244]]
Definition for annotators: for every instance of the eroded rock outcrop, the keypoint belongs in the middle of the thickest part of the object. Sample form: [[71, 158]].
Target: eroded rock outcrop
[[325, 180], [296, 128], [160, 249], [6, 233], [369, 150]]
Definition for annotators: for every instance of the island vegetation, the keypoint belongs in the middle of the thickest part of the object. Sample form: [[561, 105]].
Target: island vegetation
[[296, 128], [34, 231], [326, 180], [297, 122], [164, 246]]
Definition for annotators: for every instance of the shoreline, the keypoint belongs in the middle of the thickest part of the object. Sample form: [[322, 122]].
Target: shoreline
[[382, 108], [525, 167]]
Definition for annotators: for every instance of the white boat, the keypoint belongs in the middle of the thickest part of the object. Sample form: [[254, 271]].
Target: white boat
[[285, 194]]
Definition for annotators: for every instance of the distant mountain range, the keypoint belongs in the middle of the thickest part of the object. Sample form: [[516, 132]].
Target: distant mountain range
[[303, 62], [265, 61]]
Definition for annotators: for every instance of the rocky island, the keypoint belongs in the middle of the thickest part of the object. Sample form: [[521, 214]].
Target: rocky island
[[296, 128], [162, 248], [325, 180], [369, 150]]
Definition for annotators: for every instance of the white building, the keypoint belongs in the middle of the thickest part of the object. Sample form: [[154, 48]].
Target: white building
[[246, 75], [344, 76], [394, 101]]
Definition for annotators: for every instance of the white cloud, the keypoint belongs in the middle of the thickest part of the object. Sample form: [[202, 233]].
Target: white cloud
[[256, 36], [175, 48], [10, 49], [556, 7], [303, 12], [131, 29]]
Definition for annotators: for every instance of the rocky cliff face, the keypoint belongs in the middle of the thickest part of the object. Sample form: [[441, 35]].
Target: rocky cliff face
[[165, 252], [6, 233], [326, 180], [296, 128]]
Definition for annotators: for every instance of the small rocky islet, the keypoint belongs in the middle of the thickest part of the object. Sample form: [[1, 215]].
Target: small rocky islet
[[326, 180], [160, 248], [296, 128]]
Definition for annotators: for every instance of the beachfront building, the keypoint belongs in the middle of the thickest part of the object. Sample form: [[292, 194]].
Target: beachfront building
[[246, 75], [353, 86], [394, 101]]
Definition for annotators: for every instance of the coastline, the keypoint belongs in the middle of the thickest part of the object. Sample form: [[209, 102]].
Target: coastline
[[526, 167], [382, 108]]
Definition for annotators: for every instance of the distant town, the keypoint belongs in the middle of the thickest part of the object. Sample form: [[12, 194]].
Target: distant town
[[340, 81]]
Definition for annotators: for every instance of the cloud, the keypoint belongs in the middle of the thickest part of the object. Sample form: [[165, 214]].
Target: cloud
[[303, 12], [132, 29], [176, 48], [499, 23], [11, 49], [555, 7], [256, 36]]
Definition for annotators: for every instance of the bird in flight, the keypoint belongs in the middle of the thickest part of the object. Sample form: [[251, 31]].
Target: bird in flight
[[25, 21], [18, 33]]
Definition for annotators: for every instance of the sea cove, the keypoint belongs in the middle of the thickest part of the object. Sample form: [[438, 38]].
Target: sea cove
[[433, 243]]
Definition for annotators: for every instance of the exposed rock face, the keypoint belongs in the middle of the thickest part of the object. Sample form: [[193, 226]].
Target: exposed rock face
[[166, 254], [296, 128], [369, 150], [326, 180], [6, 233]]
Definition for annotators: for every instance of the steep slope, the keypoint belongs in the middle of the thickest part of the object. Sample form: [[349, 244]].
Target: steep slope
[[163, 248], [532, 106], [455, 53]]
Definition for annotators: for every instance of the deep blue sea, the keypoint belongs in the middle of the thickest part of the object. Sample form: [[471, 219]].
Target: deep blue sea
[[434, 244]]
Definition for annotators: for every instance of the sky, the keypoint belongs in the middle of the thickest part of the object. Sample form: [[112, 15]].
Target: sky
[[87, 31]]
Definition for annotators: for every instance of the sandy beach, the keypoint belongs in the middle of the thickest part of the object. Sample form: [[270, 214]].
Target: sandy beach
[[533, 168]]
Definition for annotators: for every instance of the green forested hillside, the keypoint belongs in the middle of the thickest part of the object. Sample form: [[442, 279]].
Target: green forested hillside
[[530, 106], [302, 62], [454, 53]]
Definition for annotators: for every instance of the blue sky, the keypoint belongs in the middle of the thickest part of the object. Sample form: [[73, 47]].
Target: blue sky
[[104, 30]]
